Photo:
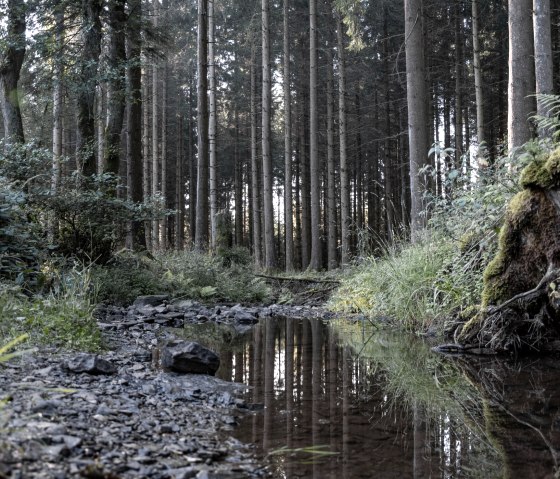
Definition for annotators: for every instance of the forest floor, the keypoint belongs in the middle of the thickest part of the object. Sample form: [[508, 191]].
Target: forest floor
[[127, 418]]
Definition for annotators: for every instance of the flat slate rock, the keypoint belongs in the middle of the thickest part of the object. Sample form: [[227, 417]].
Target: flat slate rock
[[189, 357], [151, 300], [90, 364]]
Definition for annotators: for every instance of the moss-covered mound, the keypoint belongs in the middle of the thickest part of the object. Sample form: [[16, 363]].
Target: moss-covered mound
[[519, 304]]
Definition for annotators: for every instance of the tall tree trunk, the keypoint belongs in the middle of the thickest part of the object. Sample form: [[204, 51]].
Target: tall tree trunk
[[331, 174], [201, 233], [255, 176], [91, 12], [116, 85], [212, 125], [344, 176], [270, 254], [359, 166], [417, 108], [288, 197], [180, 186], [192, 161], [521, 73], [316, 256], [146, 157], [134, 117], [11, 61], [459, 60], [156, 100], [481, 136], [58, 96], [543, 55], [388, 169], [238, 185]]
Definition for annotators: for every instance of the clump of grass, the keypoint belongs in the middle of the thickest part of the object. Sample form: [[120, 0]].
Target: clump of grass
[[62, 318], [401, 285]]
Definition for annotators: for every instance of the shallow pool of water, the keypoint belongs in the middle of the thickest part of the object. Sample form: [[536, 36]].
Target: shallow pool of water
[[340, 400]]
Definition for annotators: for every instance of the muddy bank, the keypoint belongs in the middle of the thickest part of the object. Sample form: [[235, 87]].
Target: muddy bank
[[135, 420]]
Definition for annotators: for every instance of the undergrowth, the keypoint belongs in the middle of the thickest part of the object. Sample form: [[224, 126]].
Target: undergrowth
[[420, 285], [184, 274]]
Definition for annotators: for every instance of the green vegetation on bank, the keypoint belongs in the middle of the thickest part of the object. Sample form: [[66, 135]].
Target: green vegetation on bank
[[60, 255], [421, 285]]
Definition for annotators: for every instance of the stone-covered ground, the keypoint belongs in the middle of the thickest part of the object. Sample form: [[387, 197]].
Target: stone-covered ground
[[137, 421]]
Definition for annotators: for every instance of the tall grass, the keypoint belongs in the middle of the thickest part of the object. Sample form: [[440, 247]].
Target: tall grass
[[402, 284]]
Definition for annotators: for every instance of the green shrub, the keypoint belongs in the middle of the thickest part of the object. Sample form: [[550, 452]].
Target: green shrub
[[181, 274]]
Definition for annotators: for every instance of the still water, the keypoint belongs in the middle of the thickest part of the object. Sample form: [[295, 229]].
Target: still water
[[340, 400]]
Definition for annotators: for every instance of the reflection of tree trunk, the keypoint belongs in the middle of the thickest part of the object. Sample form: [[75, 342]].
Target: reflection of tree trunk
[[270, 330], [420, 465], [257, 376], [289, 364], [317, 333], [332, 384], [346, 384], [239, 367]]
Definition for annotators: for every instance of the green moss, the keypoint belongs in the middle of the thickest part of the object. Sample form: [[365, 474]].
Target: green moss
[[543, 172], [495, 286]]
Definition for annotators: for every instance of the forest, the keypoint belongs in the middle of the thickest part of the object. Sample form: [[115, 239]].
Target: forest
[[169, 163]]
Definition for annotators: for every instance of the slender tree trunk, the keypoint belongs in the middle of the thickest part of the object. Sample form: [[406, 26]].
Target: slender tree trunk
[[238, 185], [417, 108], [481, 136], [116, 85], [212, 125], [85, 140], [180, 186], [344, 176], [459, 60], [270, 253], [155, 131], [543, 56], [12, 53], [58, 95], [388, 168], [331, 174], [316, 256], [255, 176], [288, 198], [201, 234], [521, 73], [146, 157], [359, 168], [134, 118], [192, 169]]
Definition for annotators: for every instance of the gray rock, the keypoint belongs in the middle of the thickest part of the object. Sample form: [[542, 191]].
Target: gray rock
[[151, 300], [189, 357], [90, 364], [243, 317]]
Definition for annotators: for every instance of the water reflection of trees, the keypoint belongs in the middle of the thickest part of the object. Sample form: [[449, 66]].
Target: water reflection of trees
[[318, 395]]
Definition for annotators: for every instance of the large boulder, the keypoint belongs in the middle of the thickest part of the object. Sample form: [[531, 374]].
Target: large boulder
[[188, 357]]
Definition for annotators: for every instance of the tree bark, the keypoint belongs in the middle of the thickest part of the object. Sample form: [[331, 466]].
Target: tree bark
[[255, 177], [521, 73], [481, 136], [116, 85], [344, 177], [134, 118], [543, 56], [212, 125], [58, 92], [288, 197], [270, 253], [155, 131], [85, 139], [11, 61], [201, 233], [417, 108], [331, 173], [316, 256]]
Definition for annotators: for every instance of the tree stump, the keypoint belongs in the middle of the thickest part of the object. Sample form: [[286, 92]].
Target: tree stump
[[521, 299]]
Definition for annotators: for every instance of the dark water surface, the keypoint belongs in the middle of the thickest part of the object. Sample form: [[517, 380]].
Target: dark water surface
[[340, 401]]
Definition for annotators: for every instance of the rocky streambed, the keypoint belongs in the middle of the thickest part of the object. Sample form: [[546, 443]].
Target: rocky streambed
[[119, 414]]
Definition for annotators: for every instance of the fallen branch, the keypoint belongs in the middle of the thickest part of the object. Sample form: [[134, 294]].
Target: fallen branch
[[305, 280]]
